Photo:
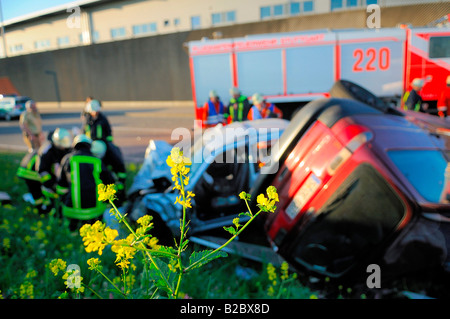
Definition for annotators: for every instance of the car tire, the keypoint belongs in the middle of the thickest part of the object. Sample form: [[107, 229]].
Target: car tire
[[349, 90]]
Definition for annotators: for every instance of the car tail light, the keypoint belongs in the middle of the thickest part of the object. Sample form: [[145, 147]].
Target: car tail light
[[313, 183], [347, 151]]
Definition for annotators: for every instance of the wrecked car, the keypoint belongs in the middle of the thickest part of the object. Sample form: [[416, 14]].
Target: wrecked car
[[361, 183], [225, 161]]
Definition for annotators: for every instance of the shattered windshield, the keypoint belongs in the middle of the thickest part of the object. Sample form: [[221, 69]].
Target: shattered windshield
[[425, 170]]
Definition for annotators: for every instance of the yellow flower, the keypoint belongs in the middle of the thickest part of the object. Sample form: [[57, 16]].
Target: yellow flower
[[124, 251], [272, 193], [94, 263], [56, 265], [271, 272], [106, 192], [26, 290], [96, 236], [145, 220], [268, 204], [6, 243], [284, 271]]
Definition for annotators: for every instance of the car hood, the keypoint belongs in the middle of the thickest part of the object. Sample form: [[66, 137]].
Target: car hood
[[153, 167]]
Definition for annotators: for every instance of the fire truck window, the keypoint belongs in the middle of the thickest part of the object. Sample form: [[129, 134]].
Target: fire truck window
[[439, 47], [352, 224]]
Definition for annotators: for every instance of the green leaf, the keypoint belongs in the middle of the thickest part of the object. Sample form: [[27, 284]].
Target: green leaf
[[203, 257], [230, 229], [249, 214], [163, 279]]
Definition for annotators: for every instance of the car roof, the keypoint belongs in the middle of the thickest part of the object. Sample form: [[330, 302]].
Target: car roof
[[406, 132], [238, 131]]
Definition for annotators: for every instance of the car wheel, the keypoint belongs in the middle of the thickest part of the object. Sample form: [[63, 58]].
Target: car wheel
[[349, 90]]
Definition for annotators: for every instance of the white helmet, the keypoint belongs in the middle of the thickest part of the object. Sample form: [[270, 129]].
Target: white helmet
[[62, 138], [234, 91], [417, 82], [98, 148], [257, 98], [93, 106], [81, 138]]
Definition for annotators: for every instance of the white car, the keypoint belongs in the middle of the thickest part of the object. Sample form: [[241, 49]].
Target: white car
[[225, 161], [12, 106]]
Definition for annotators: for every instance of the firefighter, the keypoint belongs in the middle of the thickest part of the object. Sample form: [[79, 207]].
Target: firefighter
[[412, 99], [31, 125], [28, 172], [443, 105], [267, 109], [238, 108], [78, 180], [49, 159], [99, 149], [97, 127], [213, 111]]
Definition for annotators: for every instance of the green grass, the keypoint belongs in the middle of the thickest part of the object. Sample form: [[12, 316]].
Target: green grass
[[30, 241]]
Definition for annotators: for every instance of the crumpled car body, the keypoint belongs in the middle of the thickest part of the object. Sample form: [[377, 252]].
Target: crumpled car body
[[224, 163]]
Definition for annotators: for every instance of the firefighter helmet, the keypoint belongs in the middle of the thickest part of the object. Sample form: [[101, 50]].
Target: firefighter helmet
[[93, 106], [98, 148], [257, 99], [81, 138], [62, 138]]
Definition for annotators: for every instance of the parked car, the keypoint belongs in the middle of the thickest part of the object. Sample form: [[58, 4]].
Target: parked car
[[11, 106], [222, 166], [360, 184]]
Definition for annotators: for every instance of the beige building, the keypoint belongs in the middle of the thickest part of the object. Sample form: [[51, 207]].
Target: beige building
[[84, 22]]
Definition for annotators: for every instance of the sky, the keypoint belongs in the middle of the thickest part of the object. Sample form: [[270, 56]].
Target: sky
[[16, 8]]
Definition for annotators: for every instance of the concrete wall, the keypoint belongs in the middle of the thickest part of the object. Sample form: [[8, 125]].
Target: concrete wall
[[156, 68]]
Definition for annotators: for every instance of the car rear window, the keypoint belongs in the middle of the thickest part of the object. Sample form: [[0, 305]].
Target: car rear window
[[357, 218], [424, 169]]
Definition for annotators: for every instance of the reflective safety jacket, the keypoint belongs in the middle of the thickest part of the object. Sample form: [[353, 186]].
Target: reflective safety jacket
[[254, 114], [27, 171], [80, 175], [213, 113], [271, 111], [237, 110], [47, 164], [412, 101], [98, 128]]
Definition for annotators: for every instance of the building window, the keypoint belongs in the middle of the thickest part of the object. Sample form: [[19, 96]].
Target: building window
[[176, 21], [63, 41], [195, 22], [369, 2], [352, 3], [118, 33], [265, 12], [145, 28], [294, 8], [223, 17], [41, 44], [336, 4], [278, 10], [308, 6], [16, 48]]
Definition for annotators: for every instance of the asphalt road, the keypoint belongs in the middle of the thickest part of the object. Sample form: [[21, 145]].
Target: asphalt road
[[132, 127]]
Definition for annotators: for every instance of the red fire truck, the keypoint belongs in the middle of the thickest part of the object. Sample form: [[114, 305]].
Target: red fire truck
[[302, 66]]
